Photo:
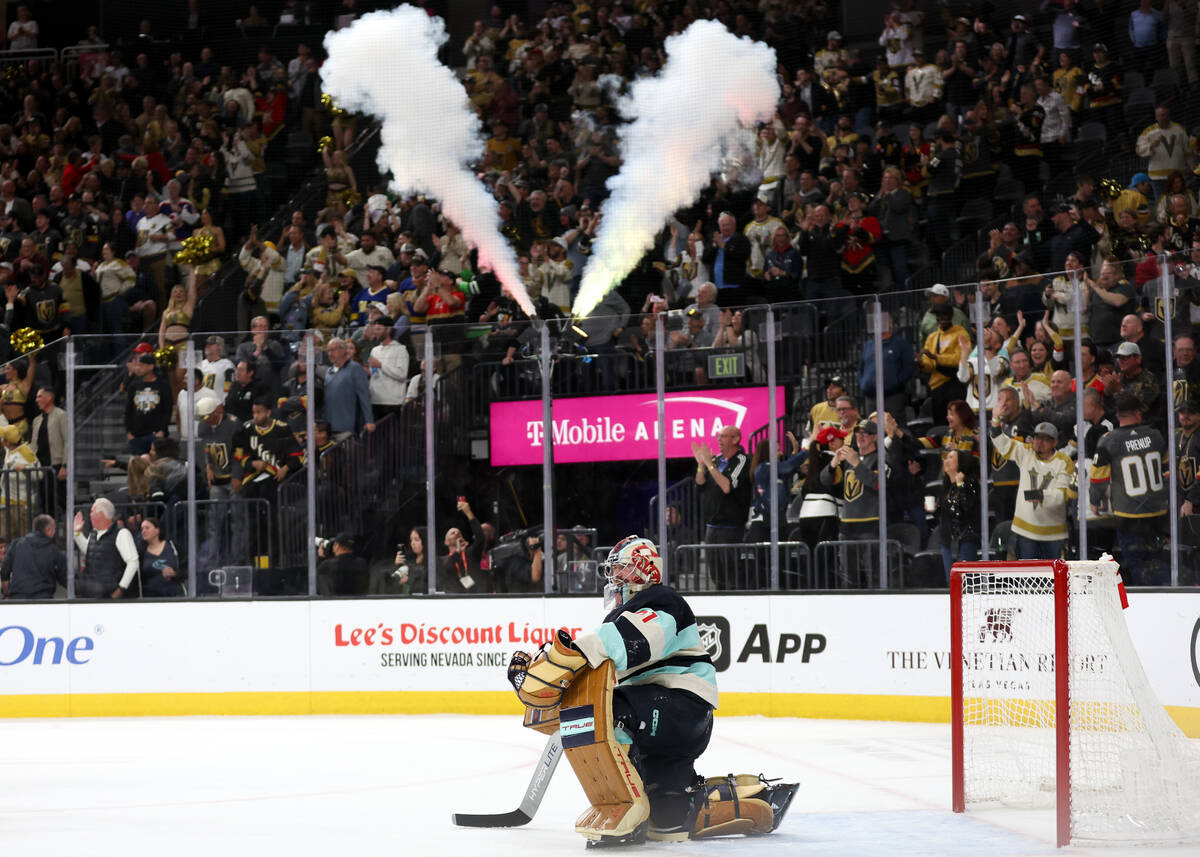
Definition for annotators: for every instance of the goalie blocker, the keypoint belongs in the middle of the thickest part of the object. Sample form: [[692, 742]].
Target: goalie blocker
[[634, 701]]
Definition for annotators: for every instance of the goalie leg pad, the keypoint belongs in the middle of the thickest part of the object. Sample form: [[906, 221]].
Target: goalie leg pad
[[740, 804], [619, 808]]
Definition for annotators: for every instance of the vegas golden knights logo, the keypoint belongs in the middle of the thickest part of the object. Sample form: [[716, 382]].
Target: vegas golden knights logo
[[1160, 309], [852, 488], [45, 311], [1187, 471], [219, 454], [998, 459], [971, 152], [1179, 391]]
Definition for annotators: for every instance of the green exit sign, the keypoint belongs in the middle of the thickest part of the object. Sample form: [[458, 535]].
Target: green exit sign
[[726, 365]]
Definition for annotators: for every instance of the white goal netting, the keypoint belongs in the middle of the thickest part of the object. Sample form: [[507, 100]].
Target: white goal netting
[[1134, 776]]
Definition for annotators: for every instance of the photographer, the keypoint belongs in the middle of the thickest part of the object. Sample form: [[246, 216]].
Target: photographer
[[461, 570], [517, 561], [411, 572], [341, 571]]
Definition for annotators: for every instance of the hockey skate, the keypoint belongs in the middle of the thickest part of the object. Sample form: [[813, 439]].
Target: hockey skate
[[741, 804]]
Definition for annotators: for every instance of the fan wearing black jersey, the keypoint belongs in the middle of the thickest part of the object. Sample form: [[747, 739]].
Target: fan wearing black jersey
[[1127, 475]]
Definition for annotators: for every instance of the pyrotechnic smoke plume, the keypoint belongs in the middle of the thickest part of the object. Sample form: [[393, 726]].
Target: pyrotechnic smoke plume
[[712, 83], [386, 63]]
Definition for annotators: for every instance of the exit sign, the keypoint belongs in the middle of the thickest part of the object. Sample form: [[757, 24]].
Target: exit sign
[[727, 365]]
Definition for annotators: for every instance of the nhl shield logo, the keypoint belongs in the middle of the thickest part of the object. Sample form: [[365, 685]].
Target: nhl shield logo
[[714, 639]]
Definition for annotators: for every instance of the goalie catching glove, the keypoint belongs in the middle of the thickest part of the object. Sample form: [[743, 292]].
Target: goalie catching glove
[[540, 680]]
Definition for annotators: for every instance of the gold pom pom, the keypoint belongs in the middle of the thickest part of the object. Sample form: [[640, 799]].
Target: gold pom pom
[[196, 249], [165, 357], [25, 340], [324, 143], [351, 197], [1111, 188], [329, 104]]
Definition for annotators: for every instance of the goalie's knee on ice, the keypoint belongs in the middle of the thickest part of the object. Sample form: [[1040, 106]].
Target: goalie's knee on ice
[[739, 804]]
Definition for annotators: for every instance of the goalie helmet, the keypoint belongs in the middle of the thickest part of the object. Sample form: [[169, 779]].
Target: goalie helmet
[[633, 564]]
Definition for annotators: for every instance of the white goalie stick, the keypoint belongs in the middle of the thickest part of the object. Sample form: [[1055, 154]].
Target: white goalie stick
[[534, 793]]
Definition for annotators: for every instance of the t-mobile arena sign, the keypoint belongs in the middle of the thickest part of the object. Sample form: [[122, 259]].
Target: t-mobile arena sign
[[625, 428]]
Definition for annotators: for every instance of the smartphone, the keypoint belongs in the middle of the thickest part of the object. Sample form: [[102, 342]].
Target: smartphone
[[461, 498]]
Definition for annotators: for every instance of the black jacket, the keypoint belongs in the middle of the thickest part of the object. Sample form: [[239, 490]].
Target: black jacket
[[33, 566]]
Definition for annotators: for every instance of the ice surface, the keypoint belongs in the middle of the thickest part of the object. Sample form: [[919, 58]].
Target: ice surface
[[386, 785]]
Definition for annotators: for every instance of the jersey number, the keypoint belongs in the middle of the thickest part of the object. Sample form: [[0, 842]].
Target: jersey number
[[1138, 471]]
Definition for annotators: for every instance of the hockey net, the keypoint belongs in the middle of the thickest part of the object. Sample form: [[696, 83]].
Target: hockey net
[[1023, 725]]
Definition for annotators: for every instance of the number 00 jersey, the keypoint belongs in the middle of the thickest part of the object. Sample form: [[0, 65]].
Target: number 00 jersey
[[1129, 467]]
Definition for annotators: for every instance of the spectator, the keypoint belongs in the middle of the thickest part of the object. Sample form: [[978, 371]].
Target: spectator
[[34, 565], [48, 435], [1033, 391], [388, 366], [347, 393], [824, 414], [268, 355], [959, 511], [1135, 380], [217, 436], [411, 573], [110, 557], [1047, 480], [1187, 446], [23, 32], [148, 403], [727, 480], [245, 390], [1059, 409], [264, 452], [460, 570], [858, 472], [894, 209], [161, 572], [727, 256], [820, 504], [1167, 146], [216, 368], [1111, 298], [1181, 37], [940, 358], [898, 367], [1147, 32], [1127, 478], [822, 248]]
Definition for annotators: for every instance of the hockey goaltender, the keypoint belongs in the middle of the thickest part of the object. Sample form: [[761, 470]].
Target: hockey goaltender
[[633, 703]]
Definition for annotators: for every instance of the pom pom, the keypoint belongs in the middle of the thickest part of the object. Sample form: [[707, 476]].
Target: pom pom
[[324, 143], [351, 197], [1111, 188], [25, 340], [196, 249], [329, 104], [165, 357]]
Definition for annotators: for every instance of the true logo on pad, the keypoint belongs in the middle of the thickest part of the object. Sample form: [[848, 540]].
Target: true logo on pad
[[578, 726]]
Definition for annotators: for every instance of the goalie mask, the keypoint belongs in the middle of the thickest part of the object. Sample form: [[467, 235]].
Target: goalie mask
[[632, 565]]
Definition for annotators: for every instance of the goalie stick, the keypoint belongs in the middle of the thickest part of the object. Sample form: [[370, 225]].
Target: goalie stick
[[534, 793]]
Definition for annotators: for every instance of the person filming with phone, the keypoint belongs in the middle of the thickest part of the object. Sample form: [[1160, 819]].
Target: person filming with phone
[[460, 571]]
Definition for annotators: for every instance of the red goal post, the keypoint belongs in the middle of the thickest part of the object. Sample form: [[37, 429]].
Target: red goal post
[[1051, 707]]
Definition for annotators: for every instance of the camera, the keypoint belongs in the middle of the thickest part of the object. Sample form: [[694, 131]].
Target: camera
[[401, 570], [323, 545]]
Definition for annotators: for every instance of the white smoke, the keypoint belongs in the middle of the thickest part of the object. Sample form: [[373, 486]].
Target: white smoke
[[386, 63], [713, 83]]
